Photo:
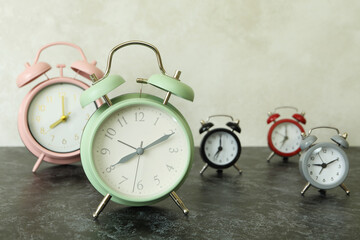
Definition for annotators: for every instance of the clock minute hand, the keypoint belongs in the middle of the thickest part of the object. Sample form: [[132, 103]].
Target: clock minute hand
[[315, 164], [332, 161], [160, 140]]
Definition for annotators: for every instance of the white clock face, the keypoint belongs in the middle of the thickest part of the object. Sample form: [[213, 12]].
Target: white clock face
[[221, 147], [141, 152], [56, 119], [326, 166], [286, 137]]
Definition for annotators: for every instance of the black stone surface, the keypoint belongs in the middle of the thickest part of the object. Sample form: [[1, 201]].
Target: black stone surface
[[263, 203]]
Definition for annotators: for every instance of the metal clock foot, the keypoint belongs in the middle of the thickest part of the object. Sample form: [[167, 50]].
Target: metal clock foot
[[204, 168], [237, 168], [305, 188], [345, 189], [102, 205], [270, 156], [178, 202], [38, 162]]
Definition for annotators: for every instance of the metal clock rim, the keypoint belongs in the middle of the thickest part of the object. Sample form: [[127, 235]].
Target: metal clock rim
[[25, 134], [306, 155], [205, 158], [271, 145], [123, 101]]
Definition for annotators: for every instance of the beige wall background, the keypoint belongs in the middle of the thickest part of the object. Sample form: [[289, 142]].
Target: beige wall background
[[242, 58]]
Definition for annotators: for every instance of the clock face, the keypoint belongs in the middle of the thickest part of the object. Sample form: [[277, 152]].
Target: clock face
[[220, 148], [285, 137], [325, 166], [141, 152], [56, 119]]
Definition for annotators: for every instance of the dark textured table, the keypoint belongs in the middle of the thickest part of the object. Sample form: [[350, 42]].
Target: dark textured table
[[264, 202]]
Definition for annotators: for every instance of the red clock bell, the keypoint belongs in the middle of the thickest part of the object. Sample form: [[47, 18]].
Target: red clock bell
[[284, 135]]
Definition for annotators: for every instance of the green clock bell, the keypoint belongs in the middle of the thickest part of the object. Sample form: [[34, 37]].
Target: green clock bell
[[137, 149]]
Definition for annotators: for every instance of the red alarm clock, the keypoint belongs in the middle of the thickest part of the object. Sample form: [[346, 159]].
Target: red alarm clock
[[284, 135]]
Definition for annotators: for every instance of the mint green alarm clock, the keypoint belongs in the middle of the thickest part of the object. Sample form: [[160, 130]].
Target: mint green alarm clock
[[137, 149]]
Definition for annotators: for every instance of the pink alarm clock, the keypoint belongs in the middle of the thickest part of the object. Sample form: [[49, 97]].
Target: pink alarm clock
[[51, 119]]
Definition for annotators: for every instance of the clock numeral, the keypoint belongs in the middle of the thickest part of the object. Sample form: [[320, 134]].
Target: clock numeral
[[87, 116], [337, 174], [157, 119], [37, 118], [173, 150], [139, 186], [42, 108], [311, 173], [52, 137], [75, 98], [109, 169], [332, 179], [308, 165], [124, 179], [139, 117], [49, 99], [110, 132], [156, 179], [64, 141], [62, 94], [76, 137], [42, 130], [324, 180], [169, 167], [317, 177], [339, 166], [122, 119], [324, 150], [104, 151]]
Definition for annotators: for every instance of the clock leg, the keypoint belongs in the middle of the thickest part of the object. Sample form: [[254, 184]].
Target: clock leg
[[38, 162], [270, 156], [305, 188], [237, 168], [345, 189], [204, 168], [322, 192], [178, 202], [102, 205]]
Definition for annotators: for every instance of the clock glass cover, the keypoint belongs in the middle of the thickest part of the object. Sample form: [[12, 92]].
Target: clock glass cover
[[286, 137], [220, 147], [46, 110], [139, 152], [327, 166]]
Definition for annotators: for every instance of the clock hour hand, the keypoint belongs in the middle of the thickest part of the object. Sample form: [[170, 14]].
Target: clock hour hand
[[160, 140], [126, 144], [217, 153], [315, 164], [62, 119]]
